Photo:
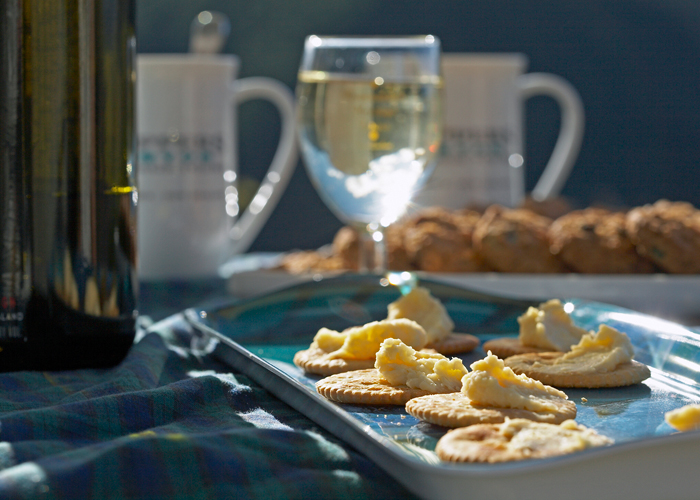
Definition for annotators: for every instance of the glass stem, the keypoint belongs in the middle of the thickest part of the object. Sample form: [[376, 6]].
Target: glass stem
[[372, 248]]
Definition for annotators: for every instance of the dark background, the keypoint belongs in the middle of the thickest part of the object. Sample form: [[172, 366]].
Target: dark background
[[634, 62]]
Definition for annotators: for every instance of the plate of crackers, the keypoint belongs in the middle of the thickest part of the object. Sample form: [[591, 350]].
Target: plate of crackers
[[459, 393]]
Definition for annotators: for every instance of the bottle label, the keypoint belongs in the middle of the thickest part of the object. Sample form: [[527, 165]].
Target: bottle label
[[10, 319], [14, 278]]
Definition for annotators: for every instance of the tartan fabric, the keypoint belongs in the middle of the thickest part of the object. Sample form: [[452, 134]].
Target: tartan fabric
[[169, 423]]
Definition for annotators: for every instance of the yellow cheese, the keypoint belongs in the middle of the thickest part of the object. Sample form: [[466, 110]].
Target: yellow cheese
[[329, 340], [362, 342], [549, 327], [599, 352], [686, 418], [400, 364], [491, 383], [426, 310]]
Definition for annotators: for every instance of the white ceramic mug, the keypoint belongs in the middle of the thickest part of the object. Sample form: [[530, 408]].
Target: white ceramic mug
[[188, 212], [482, 155]]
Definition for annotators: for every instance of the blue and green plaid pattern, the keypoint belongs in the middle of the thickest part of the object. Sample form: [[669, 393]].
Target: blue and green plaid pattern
[[168, 423]]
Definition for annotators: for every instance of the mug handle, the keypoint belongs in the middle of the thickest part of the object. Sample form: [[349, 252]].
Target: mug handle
[[248, 225], [568, 143]]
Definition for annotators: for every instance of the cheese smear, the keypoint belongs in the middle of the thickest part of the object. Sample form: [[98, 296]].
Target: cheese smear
[[686, 418], [363, 342], [426, 310], [491, 383], [400, 364], [599, 352], [549, 327], [566, 437]]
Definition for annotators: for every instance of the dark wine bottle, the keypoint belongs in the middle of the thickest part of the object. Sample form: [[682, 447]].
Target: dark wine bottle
[[68, 287]]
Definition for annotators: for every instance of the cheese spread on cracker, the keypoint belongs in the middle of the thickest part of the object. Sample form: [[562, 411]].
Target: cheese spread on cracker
[[567, 437], [686, 418], [363, 342], [400, 364], [420, 306], [491, 383], [516, 439], [549, 327], [598, 352]]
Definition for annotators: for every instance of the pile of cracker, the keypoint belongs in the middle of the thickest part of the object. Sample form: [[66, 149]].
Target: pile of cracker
[[504, 409], [663, 237]]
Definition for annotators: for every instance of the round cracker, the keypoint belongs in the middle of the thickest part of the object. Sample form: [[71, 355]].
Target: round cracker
[[476, 443], [455, 343], [365, 387], [455, 410], [506, 347], [540, 366], [315, 360], [486, 443]]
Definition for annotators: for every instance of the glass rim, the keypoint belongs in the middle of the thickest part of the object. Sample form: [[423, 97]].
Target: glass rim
[[366, 41]]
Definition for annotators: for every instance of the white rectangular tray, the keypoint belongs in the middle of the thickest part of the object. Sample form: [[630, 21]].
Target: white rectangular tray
[[649, 461]]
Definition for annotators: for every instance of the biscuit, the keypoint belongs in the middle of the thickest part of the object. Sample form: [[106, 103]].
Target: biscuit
[[346, 244], [540, 366], [439, 240], [466, 220], [595, 240], [455, 343], [307, 261], [397, 256], [456, 410], [509, 346], [549, 207], [437, 215], [436, 248], [668, 233], [315, 360], [515, 241], [493, 443], [365, 387]]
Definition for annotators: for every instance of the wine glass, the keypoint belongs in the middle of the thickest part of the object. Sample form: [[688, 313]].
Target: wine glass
[[370, 125]]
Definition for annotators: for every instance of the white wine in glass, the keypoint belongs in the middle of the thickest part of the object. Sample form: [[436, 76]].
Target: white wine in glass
[[370, 125]]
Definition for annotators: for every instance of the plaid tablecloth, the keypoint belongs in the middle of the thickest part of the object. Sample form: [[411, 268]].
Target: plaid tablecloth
[[168, 423]]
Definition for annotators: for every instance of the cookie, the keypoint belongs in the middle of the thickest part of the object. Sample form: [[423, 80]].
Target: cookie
[[549, 207], [315, 361], [515, 241], [540, 366], [466, 220], [667, 233], [507, 346], [346, 244], [309, 261], [439, 240], [437, 215], [439, 248], [365, 387], [456, 410], [516, 439], [455, 343], [397, 255], [595, 240]]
